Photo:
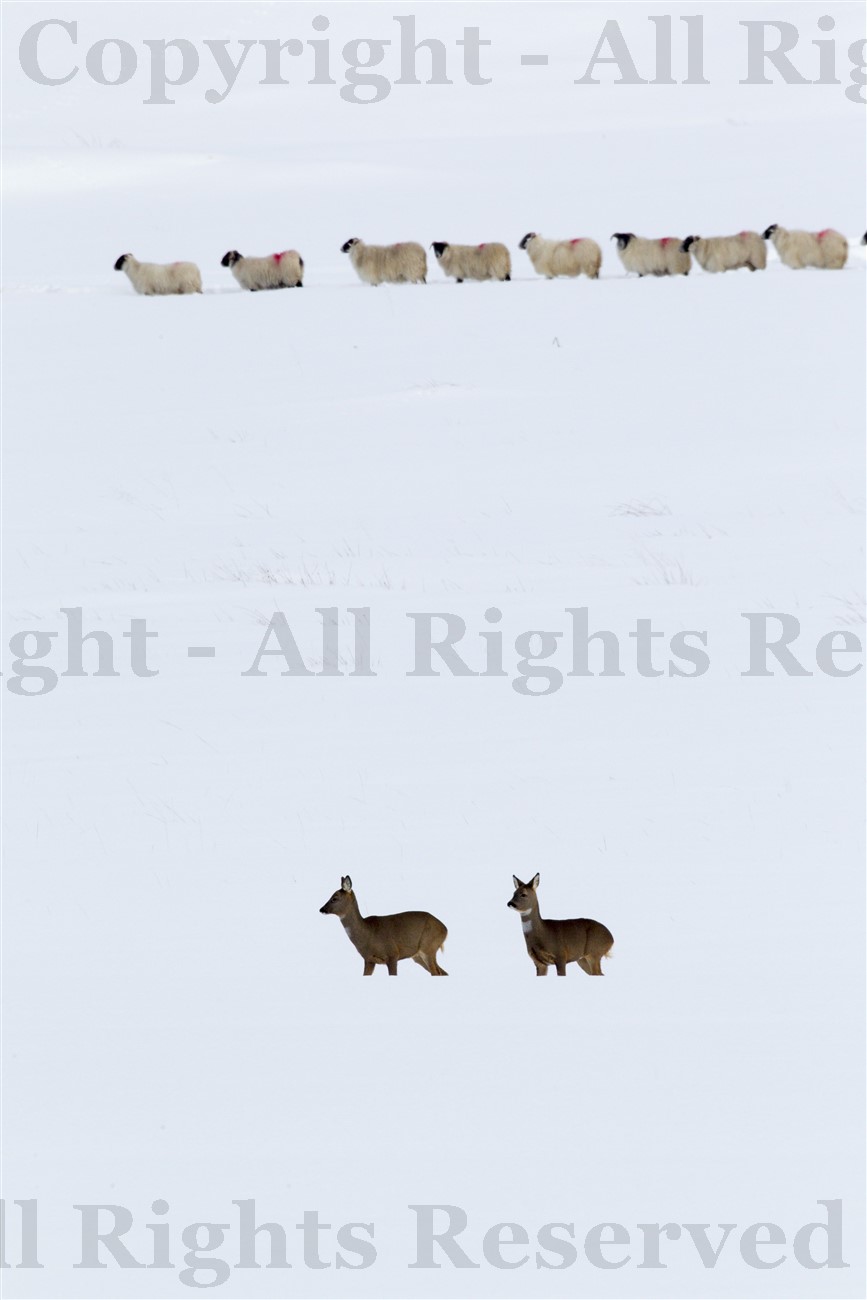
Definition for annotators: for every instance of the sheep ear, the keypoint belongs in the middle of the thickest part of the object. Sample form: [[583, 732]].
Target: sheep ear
[[346, 883], [534, 883]]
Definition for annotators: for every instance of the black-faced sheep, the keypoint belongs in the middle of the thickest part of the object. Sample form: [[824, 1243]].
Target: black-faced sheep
[[387, 263], [158, 278], [652, 256], [569, 257], [728, 252], [279, 271], [474, 261], [826, 249]]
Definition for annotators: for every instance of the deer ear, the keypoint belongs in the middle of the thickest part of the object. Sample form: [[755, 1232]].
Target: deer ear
[[517, 882], [346, 883], [534, 883]]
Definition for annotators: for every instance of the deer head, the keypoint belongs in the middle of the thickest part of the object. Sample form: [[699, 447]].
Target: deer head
[[524, 898], [339, 902]]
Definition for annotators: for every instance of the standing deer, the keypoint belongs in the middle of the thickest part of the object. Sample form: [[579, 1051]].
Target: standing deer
[[386, 940], [556, 943]]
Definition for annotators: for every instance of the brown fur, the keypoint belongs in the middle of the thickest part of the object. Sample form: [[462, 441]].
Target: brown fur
[[386, 940], [557, 943]]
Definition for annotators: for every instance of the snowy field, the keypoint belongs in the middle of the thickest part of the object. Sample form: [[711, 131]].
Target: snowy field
[[180, 1022]]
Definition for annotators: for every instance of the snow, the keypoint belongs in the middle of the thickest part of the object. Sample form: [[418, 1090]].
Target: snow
[[180, 1022]]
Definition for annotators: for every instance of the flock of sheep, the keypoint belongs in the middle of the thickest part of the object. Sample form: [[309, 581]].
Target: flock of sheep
[[407, 263]]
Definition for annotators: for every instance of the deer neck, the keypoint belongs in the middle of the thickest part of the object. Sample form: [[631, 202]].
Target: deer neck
[[352, 920], [530, 919]]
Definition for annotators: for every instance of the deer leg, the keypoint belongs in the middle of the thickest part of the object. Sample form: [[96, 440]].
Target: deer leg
[[561, 968], [541, 968], [369, 967], [435, 967], [429, 961], [392, 965]]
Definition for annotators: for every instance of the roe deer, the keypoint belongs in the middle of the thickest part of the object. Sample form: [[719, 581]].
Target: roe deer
[[556, 943], [386, 940]]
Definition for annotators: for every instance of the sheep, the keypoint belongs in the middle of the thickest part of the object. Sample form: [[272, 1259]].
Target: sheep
[[474, 261], [553, 257], [153, 277], [864, 238], [827, 249], [387, 263], [279, 271], [728, 252], [652, 256]]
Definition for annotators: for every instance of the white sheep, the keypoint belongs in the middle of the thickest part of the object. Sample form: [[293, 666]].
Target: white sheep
[[474, 261], [387, 263], [728, 252], [571, 257], [826, 249], [652, 256], [154, 277], [279, 271]]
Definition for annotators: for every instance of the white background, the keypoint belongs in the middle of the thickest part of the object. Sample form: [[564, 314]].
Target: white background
[[180, 1021]]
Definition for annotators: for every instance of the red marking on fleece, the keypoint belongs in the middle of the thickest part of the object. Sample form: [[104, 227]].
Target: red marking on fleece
[[483, 246], [276, 257], [668, 239], [577, 241], [743, 234], [823, 233]]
